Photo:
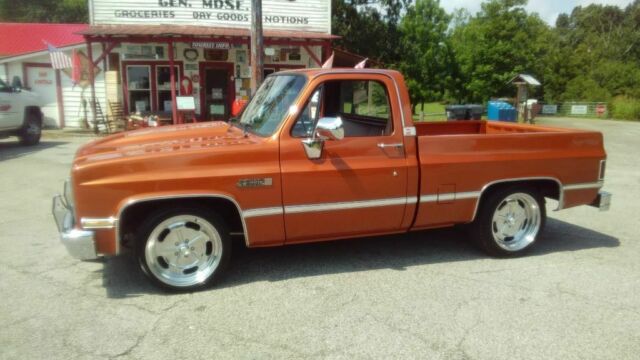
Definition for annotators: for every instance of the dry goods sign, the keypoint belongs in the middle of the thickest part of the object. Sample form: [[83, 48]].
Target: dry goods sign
[[301, 15]]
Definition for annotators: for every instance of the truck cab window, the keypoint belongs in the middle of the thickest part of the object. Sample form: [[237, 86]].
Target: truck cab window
[[363, 106]]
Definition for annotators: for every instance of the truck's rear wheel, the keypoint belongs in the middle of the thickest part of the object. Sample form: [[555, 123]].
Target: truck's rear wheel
[[509, 221], [183, 249], [32, 130]]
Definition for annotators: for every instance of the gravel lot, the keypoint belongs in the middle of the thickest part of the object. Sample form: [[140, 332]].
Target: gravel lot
[[424, 295]]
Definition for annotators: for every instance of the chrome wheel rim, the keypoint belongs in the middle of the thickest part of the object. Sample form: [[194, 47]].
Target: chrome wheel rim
[[516, 222], [183, 250]]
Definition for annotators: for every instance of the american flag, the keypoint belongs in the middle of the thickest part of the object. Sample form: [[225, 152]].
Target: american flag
[[59, 60]]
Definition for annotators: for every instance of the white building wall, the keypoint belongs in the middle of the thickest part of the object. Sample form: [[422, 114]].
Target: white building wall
[[74, 112], [74, 115]]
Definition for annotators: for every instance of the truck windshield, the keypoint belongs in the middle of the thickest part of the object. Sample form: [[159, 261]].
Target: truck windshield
[[271, 103]]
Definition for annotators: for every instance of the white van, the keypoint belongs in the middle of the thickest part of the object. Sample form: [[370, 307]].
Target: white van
[[20, 114]]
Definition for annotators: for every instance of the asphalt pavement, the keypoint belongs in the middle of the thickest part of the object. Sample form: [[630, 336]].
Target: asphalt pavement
[[427, 295]]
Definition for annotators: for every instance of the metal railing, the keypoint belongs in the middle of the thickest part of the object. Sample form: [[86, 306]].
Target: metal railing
[[576, 109]]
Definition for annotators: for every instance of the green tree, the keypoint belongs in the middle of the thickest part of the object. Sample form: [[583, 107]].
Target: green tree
[[595, 54], [369, 28], [426, 60], [47, 11], [499, 42]]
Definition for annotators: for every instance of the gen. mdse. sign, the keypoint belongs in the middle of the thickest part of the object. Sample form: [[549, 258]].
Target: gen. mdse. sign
[[302, 15]]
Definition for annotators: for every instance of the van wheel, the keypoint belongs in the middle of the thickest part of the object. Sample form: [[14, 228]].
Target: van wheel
[[183, 249], [509, 221], [31, 132]]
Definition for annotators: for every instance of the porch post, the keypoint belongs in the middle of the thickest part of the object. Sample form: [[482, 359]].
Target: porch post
[[172, 72], [326, 51], [92, 83]]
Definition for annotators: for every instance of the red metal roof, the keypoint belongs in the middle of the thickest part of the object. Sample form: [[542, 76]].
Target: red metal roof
[[24, 38], [191, 30]]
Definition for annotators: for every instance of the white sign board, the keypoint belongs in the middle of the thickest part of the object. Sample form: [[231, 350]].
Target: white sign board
[[550, 109], [579, 109], [301, 15], [185, 103]]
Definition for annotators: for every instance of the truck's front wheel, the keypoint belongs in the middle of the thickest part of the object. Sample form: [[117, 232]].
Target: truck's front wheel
[[509, 221], [183, 249]]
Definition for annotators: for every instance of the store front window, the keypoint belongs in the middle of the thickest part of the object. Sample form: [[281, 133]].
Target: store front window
[[139, 88], [149, 86]]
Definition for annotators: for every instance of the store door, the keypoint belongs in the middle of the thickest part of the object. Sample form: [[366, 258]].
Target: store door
[[217, 91]]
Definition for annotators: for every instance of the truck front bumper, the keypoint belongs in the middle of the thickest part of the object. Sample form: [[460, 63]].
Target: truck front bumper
[[602, 201], [79, 243]]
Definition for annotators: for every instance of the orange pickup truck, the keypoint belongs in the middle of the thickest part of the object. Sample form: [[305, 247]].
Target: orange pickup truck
[[318, 155]]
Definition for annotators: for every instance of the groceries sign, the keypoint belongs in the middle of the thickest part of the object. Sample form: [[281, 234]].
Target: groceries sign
[[302, 15]]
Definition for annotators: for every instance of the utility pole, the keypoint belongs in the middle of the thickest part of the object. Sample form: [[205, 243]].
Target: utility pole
[[257, 45]]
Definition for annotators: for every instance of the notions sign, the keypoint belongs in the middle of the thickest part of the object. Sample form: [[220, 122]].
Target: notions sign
[[301, 15]]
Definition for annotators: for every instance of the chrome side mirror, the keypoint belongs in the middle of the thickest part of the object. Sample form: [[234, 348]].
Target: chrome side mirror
[[328, 128], [313, 148]]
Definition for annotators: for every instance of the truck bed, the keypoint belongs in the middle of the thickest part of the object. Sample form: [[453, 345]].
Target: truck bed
[[460, 160]]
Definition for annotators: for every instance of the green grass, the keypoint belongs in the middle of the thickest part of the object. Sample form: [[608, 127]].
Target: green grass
[[625, 108], [434, 112]]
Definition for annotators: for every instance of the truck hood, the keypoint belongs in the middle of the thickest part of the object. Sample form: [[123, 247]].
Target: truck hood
[[163, 140]]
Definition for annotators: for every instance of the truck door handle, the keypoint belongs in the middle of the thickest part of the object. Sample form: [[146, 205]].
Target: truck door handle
[[384, 146]]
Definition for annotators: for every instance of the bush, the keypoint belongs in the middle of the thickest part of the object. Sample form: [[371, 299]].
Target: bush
[[625, 108]]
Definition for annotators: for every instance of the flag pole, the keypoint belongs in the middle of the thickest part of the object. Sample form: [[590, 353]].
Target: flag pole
[[93, 87]]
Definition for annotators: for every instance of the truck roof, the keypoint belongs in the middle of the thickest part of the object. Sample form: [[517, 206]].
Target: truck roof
[[319, 71]]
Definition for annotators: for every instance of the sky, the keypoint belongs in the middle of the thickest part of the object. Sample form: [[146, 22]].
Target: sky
[[548, 9]]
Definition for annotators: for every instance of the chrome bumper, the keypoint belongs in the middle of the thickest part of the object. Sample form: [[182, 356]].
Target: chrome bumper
[[79, 243], [603, 201]]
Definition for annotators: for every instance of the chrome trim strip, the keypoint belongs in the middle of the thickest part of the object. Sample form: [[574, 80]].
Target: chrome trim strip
[[478, 194], [98, 223], [450, 196], [185, 196], [262, 212], [595, 185], [297, 209], [468, 195], [412, 200], [428, 198]]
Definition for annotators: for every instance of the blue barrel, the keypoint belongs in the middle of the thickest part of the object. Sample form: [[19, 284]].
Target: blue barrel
[[501, 111]]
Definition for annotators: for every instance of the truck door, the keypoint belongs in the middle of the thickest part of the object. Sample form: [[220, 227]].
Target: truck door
[[359, 185], [9, 118]]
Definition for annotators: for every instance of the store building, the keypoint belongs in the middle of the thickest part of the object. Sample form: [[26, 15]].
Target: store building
[[203, 45]]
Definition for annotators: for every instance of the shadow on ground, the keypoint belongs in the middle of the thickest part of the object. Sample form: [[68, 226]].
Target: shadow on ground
[[122, 278], [13, 149]]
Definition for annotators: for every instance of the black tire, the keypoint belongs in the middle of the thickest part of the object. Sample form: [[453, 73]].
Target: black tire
[[488, 235], [158, 269], [31, 131]]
